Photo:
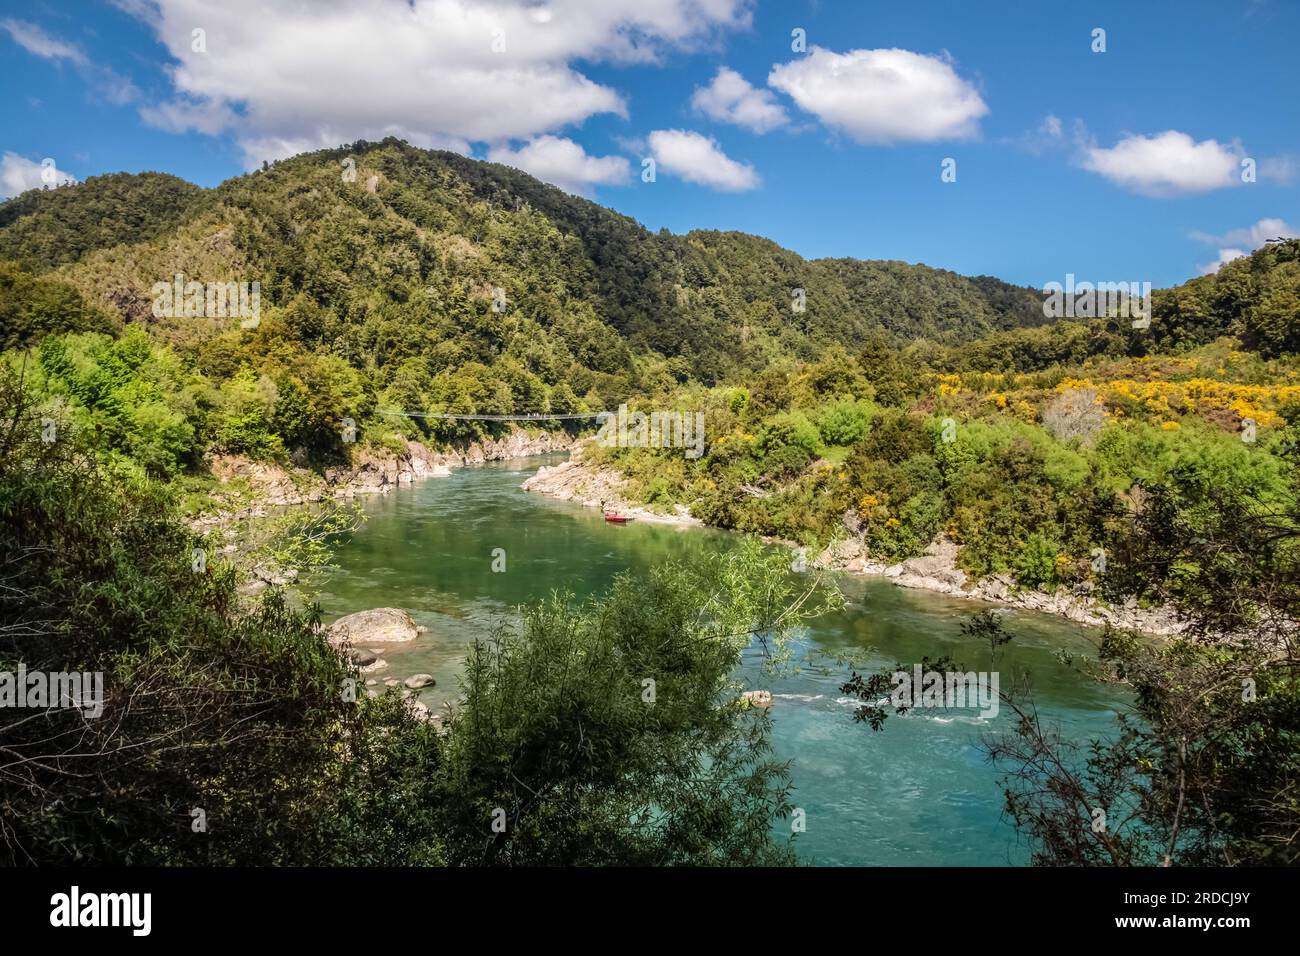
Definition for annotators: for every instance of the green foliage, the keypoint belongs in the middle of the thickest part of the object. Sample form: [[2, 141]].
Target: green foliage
[[46, 228], [33, 306], [408, 273], [132, 402], [612, 732], [242, 711], [845, 422], [239, 712], [1204, 770], [1035, 565], [1255, 298]]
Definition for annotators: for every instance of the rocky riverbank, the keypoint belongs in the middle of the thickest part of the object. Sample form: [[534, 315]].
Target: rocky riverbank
[[590, 484], [937, 570], [247, 487], [360, 636]]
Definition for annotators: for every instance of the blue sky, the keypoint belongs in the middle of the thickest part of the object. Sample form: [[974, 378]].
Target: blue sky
[[1122, 165]]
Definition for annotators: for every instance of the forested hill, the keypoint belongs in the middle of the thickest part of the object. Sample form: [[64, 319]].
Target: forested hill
[[407, 271], [43, 229]]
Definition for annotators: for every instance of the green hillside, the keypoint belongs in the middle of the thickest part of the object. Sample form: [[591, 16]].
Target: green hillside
[[377, 294], [408, 270], [46, 228]]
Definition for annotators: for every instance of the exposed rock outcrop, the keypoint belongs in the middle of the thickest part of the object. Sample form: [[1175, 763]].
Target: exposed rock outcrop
[[518, 444]]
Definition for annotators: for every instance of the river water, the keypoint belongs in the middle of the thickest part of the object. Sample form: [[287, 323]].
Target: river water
[[919, 792]]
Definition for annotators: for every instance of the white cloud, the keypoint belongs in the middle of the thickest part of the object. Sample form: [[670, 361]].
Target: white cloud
[[563, 163], [112, 87], [115, 88], [18, 174], [180, 116], [35, 40], [451, 71], [1252, 237], [883, 96], [1167, 164], [699, 159], [731, 99], [1225, 256]]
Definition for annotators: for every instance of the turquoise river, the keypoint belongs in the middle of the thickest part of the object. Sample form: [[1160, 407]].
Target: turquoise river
[[920, 792]]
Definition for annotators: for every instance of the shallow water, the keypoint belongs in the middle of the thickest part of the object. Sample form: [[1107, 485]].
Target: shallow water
[[917, 793]]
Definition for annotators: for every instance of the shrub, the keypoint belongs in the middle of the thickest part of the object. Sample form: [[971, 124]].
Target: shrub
[[1076, 415], [844, 422], [1036, 564]]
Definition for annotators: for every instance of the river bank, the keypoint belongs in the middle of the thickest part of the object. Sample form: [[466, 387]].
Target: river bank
[[247, 488], [582, 483], [936, 570]]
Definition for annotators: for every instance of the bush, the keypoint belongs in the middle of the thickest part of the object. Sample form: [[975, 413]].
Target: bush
[[1075, 415], [1035, 565], [788, 430], [844, 422], [556, 731]]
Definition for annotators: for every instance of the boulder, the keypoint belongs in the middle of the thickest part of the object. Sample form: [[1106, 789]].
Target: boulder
[[416, 681], [757, 698], [253, 588], [382, 625], [362, 657]]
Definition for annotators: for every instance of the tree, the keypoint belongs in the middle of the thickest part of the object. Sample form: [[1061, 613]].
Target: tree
[[613, 732]]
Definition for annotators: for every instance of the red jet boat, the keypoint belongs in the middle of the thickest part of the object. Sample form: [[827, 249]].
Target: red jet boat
[[614, 518]]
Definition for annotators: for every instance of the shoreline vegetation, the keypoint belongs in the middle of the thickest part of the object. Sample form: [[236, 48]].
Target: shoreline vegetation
[[590, 483]]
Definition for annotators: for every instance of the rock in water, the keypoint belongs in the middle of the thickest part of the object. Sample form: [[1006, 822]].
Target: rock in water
[[757, 698], [416, 681], [382, 625]]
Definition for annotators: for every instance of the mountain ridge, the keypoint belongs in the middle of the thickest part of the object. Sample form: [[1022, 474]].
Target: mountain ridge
[[640, 283]]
